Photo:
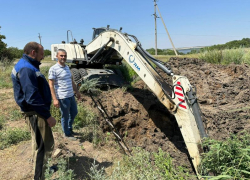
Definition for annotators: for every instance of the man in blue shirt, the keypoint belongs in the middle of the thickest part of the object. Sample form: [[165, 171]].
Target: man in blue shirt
[[32, 94]]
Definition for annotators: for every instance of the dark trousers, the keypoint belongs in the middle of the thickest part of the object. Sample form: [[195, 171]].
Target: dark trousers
[[42, 144]]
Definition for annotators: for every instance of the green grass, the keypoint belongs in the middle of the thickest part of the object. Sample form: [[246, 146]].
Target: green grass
[[2, 121], [85, 116], [47, 60], [227, 56], [128, 73], [5, 76], [142, 165], [165, 58], [228, 158], [14, 114], [63, 173], [85, 122], [12, 136]]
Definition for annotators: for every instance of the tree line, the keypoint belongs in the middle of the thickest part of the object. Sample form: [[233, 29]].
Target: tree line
[[11, 53], [162, 51], [235, 44], [245, 42]]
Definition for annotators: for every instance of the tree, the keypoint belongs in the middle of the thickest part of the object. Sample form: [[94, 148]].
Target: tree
[[47, 52], [15, 52], [4, 52], [2, 44]]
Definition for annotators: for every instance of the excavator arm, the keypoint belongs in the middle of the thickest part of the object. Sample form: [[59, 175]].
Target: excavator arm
[[179, 99]]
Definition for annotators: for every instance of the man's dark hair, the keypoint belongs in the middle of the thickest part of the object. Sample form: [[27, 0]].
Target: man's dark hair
[[30, 47]]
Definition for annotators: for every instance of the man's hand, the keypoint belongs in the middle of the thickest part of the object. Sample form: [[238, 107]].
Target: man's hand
[[78, 95], [56, 103], [51, 121]]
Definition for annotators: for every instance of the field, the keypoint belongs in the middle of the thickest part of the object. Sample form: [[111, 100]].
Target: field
[[145, 124]]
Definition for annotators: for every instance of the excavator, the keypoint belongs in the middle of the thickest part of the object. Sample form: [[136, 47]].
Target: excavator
[[112, 46]]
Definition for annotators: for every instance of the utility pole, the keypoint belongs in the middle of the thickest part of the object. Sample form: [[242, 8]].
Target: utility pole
[[39, 37], [167, 31], [155, 16]]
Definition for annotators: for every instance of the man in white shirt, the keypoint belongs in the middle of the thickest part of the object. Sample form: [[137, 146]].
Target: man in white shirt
[[62, 89]]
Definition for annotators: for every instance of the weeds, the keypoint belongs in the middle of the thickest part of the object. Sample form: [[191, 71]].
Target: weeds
[[90, 85], [246, 57], [228, 158], [233, 56], [227, 56], [13, 136], [212, 56], [96, 173], [127, 73], [85, 117], [142, 166], [5, 76], [2, 122], [62, 173], [15, 114], [5, 63], [45, 70], [87, 120]]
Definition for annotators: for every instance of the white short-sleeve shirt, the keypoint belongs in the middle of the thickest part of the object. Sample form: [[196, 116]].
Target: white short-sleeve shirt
[[62, 81]]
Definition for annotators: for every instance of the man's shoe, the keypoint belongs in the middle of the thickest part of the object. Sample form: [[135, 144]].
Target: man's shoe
[[72, 132], [72, 138], [53, 168]]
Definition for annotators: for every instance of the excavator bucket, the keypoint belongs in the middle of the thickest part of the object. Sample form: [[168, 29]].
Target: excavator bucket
[[188, 118]]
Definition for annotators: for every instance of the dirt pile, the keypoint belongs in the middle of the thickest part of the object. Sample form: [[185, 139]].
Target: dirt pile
[[223, 93]]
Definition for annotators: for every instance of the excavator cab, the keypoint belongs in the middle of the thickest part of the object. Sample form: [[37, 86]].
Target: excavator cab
[[97, 31]]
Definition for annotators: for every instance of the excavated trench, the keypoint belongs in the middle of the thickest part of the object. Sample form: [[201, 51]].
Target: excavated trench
[[222, 91]]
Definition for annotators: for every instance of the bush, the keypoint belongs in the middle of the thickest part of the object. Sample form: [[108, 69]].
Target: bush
[[62, 173], [233, 56], [230, 157], [246, 57], [213, 56], [15, 52], [90, 85], [85, 116], [13, 136]]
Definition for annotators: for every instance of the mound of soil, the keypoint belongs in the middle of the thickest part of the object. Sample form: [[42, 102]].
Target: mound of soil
[[223, 93]]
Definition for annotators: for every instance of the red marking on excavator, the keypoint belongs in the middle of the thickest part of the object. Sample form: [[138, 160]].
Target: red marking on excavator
[[182, 104], [179, 94]]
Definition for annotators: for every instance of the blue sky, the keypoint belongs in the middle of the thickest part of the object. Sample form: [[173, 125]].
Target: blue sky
[[189, 22]]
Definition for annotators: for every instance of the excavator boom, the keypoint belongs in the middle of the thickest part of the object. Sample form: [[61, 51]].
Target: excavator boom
[[179, 98]]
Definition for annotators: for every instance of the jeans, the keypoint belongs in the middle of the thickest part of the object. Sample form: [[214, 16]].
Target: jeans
[[69, 111]]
